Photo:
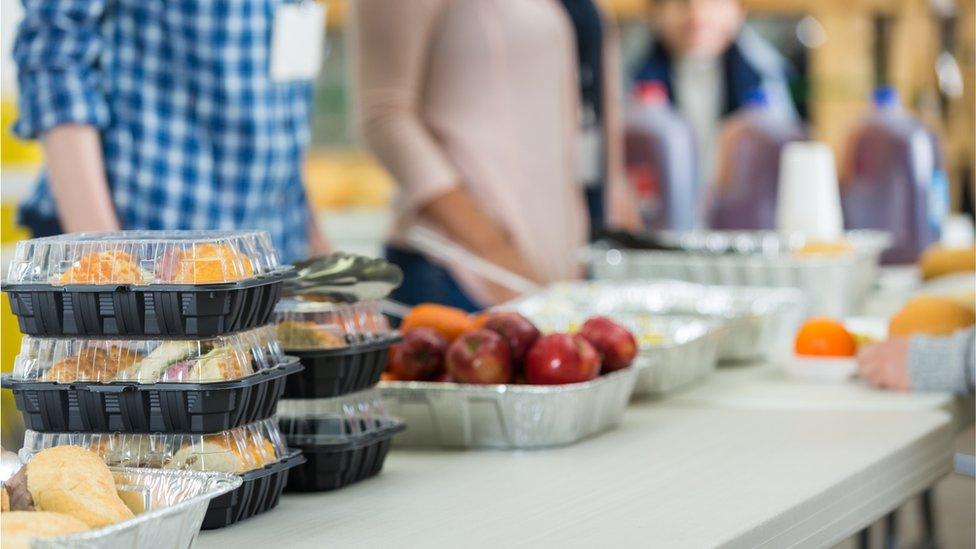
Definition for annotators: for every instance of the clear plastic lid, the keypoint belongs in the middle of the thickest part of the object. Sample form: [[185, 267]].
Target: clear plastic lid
[[320, 325], [144, 257], [338, 420], [221, 358], [236, 450]]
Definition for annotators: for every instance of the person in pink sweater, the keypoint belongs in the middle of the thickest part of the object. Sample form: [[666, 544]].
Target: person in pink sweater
[[477, 110]]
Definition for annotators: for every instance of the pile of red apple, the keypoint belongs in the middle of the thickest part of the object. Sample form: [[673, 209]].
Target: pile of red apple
[[508, 348]]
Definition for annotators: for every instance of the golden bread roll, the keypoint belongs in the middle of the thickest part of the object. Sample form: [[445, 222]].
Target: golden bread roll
[[4, 500], [938, 261], [92, 364], [75, 481], [17, 528], [930, 315], [824, 247]]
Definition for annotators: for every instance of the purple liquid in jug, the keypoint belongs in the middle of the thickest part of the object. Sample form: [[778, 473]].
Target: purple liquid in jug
[[894, 179], [661, 161], [744, 194]]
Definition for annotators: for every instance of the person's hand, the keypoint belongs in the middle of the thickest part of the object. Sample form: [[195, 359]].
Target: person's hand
[[509, 258], [885, 364]]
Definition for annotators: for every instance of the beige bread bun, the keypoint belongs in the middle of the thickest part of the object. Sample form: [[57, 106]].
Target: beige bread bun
[[17, 528], [75, 481], [930, 315], [4, 500], [939, 261], [212, 454]]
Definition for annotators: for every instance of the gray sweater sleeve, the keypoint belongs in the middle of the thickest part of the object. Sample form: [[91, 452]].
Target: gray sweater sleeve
[[942, 363]]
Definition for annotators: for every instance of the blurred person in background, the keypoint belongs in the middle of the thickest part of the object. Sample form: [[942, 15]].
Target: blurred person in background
[[163, 115], [498, 121], [710, 63]]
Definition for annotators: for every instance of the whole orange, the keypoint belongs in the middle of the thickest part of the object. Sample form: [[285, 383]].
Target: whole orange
[[824, 337]]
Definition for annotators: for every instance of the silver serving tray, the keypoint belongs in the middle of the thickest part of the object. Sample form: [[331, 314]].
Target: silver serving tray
[[836, 285], [507, 416], [172, 505], [755, 323]]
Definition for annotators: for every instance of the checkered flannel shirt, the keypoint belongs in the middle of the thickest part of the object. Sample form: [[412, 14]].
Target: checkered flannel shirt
[[194, 132]]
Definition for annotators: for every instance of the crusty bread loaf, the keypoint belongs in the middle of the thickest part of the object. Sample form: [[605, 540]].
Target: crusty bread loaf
[[75, 481], [939, 261], [930, 315], [17, 528]]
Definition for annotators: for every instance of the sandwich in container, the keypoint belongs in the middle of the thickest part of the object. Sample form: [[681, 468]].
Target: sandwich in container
[[255, 452], [149, 385], [145, 283], [343, 346]]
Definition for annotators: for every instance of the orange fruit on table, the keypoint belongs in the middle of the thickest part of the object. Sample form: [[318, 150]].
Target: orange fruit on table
[[824, 337], [450, 322]]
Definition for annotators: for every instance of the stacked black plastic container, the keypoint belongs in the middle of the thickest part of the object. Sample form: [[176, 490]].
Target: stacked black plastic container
[[90, 302], [331, 410]]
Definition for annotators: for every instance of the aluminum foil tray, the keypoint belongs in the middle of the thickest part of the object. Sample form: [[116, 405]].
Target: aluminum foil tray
[[507, 416], [170, 506], [755, 323], [836, 284], [673, 352]]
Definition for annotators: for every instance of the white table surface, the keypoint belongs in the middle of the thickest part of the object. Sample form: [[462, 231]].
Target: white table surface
[[675, 474]]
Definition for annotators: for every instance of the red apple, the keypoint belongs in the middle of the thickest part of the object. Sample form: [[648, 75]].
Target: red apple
[[479, 356], [615, 343], [515, 329], [419, 357], [556, 359]]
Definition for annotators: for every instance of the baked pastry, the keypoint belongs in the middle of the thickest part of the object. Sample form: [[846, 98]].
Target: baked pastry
[[296, 334], [109, 267], [92, 364], [939, 261], [212, 263], [930, 315], [18, 528], [224, 454], [176, 361], [824, 247], [75, 481]]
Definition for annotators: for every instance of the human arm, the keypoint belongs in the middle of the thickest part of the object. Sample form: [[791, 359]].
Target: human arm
[[56, 50], [392, 41], [923, 363]]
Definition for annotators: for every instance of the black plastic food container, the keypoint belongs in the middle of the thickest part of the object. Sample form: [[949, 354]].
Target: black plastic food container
[[157, 310], [333, 466], [260, 492], [130, 407], [335, 372]]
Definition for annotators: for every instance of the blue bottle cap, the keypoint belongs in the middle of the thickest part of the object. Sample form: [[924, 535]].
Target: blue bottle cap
[[885, 96], [757, 97]]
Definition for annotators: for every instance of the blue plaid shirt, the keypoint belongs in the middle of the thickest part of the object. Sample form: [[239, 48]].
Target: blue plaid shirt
[[194, 132]]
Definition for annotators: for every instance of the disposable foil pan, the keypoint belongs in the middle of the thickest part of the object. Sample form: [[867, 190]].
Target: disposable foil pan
[[836, 284], [170, 506], [755, 323], [507, 416], [673, 351]]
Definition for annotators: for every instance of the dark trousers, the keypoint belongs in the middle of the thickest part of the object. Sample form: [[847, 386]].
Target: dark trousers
[[426, 282]]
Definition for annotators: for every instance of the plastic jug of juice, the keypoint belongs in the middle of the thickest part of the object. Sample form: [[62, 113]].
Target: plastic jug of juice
[[894, 179], [661, 161], [743, 196]]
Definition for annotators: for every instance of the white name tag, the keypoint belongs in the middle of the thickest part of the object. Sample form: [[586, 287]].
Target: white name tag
[[297, 41]]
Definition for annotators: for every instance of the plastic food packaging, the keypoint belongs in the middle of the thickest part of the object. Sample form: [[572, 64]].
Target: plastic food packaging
[[344, 440], [145, 283], [256, 452], [170, 506], [342, 346], [149, 385], [755, 322], [507, 416], [836, 280]]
